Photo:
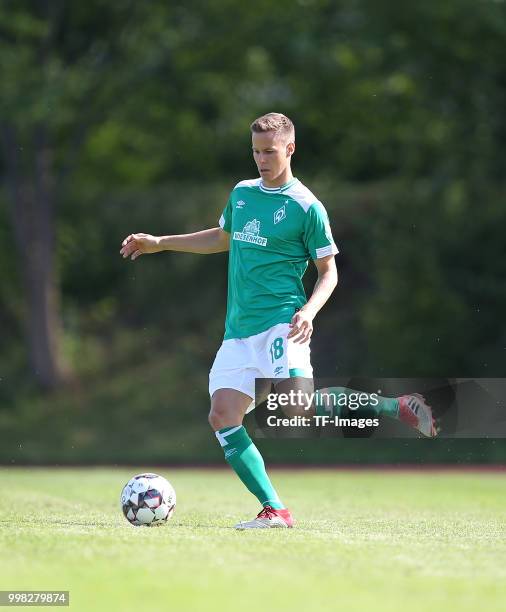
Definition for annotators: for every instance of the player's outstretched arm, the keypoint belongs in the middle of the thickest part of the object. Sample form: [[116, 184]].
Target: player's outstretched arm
[[213, 240]]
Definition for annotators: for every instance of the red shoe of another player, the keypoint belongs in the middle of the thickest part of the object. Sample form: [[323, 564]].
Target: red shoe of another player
[[269, 518], [415, 412]]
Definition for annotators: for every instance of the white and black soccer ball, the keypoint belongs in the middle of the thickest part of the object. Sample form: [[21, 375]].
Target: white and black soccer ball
[[148, 499]]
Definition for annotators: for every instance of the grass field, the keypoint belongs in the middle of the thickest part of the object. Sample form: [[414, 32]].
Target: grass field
[[363, 541]]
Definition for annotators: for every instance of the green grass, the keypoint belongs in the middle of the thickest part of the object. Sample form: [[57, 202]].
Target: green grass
[[364, 541]]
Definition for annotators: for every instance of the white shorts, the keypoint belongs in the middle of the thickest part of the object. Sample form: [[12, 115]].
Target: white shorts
[[266, 355]]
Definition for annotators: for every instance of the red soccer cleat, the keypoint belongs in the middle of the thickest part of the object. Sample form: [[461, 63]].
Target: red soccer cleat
[[267, 518], [415, 412]]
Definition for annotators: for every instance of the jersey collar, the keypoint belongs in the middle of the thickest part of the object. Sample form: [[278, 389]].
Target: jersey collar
[[277, 189]]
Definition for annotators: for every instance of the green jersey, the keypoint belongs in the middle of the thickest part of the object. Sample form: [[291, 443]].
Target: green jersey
[[273, 234]]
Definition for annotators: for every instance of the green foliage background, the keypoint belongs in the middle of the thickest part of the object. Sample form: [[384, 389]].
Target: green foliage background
[[400, 123]]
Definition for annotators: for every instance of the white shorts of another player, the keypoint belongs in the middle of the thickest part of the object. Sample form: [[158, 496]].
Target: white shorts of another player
[[270, 354]]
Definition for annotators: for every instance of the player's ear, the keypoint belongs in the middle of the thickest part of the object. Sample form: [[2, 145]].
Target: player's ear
[[290, 149]]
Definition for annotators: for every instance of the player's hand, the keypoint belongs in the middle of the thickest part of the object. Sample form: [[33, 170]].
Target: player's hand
[[139, 244], [301, 326]]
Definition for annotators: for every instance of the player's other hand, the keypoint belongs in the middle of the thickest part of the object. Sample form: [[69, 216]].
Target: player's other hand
[[301, 326], [139, 244]]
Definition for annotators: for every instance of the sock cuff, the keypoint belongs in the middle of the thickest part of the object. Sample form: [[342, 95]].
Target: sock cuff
[[223, 434]]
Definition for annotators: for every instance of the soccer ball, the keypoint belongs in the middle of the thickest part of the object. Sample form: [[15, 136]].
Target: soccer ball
[[148, 499]]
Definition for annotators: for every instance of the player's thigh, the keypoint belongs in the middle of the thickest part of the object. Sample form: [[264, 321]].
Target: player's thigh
[[231, 355], [280, 357], [299, 392], [228, 407]]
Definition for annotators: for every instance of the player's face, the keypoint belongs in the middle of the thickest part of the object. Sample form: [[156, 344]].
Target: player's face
[[272, 154]]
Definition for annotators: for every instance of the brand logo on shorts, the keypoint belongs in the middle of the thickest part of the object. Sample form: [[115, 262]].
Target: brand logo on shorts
[[278, 370], [279, 215], [250, 233]]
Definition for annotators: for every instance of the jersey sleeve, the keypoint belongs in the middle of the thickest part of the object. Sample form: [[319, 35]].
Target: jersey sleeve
[[226, 217], [317, 233]]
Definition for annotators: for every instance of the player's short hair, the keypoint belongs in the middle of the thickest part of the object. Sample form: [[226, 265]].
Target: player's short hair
[[275, 122]]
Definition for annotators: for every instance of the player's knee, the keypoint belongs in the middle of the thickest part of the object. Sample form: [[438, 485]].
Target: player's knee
[[212, 419], [228, 407], [219, 416], [224, 414]]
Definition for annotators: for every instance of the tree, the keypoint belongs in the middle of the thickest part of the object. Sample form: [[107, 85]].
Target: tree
[[59, 65]]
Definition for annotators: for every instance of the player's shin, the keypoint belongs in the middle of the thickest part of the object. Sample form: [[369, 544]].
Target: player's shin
[[246, 461]]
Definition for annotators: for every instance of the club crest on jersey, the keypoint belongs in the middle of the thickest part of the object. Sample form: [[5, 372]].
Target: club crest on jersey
[[250, 233], [280, 214]]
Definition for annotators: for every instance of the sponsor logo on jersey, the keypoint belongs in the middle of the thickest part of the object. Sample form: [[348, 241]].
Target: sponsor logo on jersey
[[280, 214], [250, 233], [240, 204]]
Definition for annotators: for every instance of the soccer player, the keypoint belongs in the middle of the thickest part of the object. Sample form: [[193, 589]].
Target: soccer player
[[271, 226]]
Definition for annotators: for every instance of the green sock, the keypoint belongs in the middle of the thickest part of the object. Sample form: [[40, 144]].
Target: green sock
[[246, 461], [340, 399]]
